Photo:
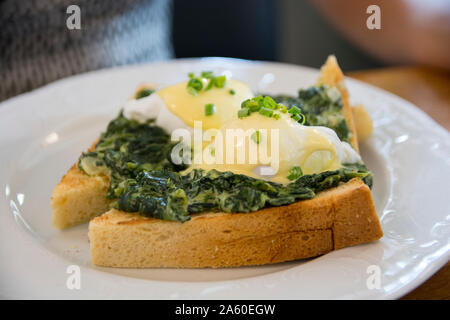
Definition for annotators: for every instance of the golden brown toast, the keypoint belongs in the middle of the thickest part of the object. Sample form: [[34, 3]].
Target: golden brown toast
[[334, 219], [78, 198], [331, 75]]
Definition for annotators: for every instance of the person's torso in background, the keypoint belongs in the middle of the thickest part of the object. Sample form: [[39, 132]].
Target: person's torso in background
[[37, 47]]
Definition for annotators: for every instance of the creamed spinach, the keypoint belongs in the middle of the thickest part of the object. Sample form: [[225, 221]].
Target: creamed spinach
[[322, 106]]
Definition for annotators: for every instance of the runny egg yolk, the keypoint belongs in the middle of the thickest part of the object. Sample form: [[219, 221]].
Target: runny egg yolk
[[189, 108]]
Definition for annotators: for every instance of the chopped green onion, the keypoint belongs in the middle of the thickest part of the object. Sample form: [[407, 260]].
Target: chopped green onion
[[269, 103], [266, 112], [251, 104], [256, 137], [195, 84], [299, 117], [282, 108], [259, 99], [210, 109], [207, 74], [266, 106], [210, 85], [192, 91], [294, 110], [295, 173], [219, 82], [244, 112], [145, 92], [232, 92], [303, 120]]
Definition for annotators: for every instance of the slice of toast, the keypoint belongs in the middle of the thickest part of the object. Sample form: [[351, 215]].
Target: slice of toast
[[78, 197], [335, 218]]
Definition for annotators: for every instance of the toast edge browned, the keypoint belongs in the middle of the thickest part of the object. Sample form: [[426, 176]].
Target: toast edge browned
[[335, 219]]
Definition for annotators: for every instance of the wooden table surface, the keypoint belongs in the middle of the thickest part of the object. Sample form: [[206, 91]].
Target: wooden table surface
[[428, 89]]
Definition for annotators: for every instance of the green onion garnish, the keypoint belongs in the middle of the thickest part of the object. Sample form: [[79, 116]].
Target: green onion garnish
[[210, 109], [256, 137], [219, 82], [269, 103], [207, 74], [303, 120], [192, 91], [295, 173], [294, 110], [195, 84], [145, 92], [266, 112], [209, 86], [232, 92], [244, 112], [253, 106], [266, 106], [282, 108], [299, 117]]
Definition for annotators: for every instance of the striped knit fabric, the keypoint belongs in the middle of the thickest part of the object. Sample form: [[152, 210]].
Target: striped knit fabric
[[36, 47]]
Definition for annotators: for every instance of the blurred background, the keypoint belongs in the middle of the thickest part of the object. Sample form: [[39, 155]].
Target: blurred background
[[38, 48], [282, 30]]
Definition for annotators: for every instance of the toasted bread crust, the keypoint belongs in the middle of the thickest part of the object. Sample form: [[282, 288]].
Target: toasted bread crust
[[334, 219], [78, 198], [331, 75]]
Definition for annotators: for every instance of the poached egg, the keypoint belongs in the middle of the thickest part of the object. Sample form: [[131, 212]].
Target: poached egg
[[174, 107], [284, 141]]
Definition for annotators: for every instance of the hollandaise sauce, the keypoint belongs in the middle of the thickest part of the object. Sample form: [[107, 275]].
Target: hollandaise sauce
[[189, 107]]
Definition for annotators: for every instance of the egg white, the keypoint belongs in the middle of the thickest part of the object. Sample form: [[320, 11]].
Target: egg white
[[153, 107]]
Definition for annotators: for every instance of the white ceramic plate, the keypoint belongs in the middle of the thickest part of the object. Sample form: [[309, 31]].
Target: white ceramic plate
[[43, 132]]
